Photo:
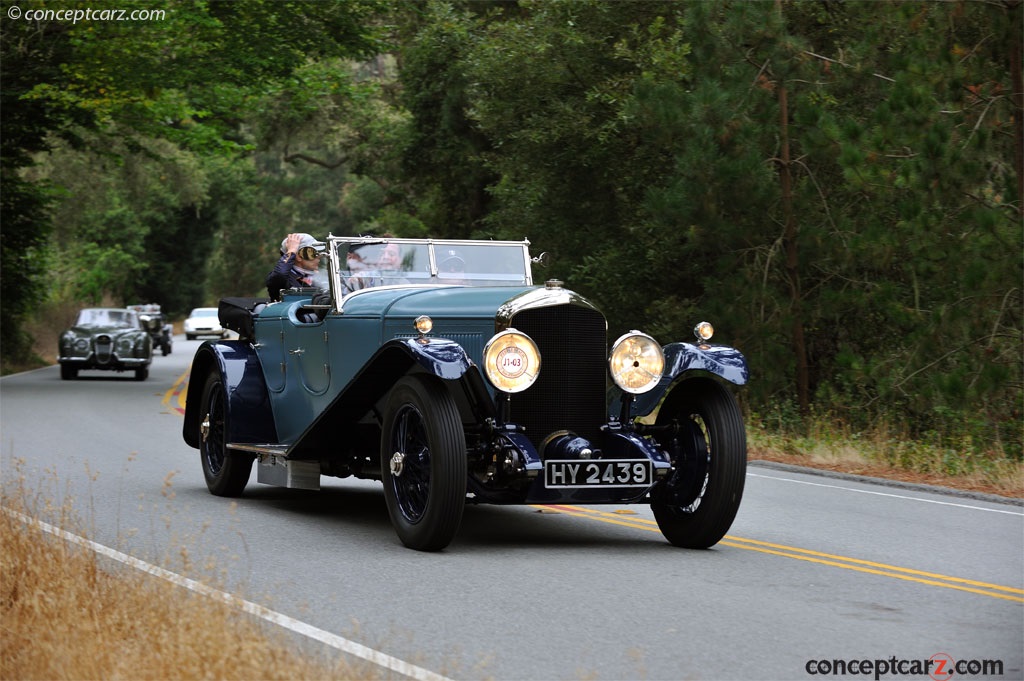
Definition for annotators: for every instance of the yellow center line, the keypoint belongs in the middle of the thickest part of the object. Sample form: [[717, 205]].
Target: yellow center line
[[844, 562], [177, 393], [859, 561]]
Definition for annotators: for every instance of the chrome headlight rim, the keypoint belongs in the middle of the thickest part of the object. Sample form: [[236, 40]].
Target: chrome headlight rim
[[511, 361], [636, 362]]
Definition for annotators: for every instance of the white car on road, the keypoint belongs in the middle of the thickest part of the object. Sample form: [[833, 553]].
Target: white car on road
[[203, 321]]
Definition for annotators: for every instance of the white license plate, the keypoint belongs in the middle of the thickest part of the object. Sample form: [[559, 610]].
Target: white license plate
[[598, 473]]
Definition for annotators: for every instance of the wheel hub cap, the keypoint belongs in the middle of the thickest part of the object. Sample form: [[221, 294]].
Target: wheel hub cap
[[397, 464], [204, 427]]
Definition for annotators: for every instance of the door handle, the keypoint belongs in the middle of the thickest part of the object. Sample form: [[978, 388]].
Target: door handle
[[296, 351]]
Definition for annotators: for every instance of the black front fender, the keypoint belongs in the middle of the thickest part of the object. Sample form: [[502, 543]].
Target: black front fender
[[442, 357], [721, 360], [250, 417], [682, 358]]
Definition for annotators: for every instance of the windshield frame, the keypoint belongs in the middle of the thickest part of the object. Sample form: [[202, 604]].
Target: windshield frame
[[513, 257]]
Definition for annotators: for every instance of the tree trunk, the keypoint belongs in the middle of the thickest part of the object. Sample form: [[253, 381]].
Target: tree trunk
[[789, 239], [1018, 103]]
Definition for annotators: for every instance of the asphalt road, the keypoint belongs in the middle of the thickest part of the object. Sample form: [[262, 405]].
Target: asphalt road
[[816, 571]]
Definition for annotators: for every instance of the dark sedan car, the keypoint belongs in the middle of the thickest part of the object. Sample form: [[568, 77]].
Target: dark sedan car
[[110, 339], [439, 368]]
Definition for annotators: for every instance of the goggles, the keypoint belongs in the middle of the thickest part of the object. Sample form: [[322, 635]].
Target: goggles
[[309, 253]]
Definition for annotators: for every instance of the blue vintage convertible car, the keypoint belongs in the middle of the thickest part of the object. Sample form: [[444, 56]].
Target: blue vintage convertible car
[[439, 368]]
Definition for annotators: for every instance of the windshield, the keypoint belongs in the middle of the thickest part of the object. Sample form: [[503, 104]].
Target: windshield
[[382, 262], [105, 317]]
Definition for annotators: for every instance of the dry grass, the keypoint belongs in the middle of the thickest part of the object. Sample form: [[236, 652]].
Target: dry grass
[[64, 616], [882, 455]]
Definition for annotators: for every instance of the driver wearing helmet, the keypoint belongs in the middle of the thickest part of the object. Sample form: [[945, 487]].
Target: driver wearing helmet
[[298, 264]]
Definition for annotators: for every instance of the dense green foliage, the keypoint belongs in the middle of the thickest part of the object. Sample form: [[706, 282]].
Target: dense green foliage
[[147, 127], [837, 186]]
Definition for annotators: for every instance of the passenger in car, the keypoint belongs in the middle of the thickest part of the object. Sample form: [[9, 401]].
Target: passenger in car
[[385, 269], [299, 262], [361, 274], [389, 265], [390, 258]]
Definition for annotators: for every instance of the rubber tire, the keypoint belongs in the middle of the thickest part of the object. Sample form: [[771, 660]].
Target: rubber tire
[[726, 467], [68, 372], [226, 471], [426, 500], [142, 374]]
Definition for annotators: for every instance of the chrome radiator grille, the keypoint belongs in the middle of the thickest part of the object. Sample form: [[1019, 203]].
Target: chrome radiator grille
[[104, 345], [570, 392]]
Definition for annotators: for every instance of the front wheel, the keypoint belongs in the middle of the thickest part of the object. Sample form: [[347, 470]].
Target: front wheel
[[142, 374], [226, 472], [696, 505], [68, 372], [423, 463]]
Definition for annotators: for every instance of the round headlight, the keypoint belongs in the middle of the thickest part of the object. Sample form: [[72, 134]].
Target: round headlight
[[636, 362], [125, 344], [511, 361], [703, 331], [82, 344]]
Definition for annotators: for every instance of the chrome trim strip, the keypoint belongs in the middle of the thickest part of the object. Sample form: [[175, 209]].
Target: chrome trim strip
[[536, 298]]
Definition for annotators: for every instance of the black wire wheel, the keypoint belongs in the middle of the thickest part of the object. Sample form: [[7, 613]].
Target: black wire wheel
[[696, 505], [423, 463], [226, 472]]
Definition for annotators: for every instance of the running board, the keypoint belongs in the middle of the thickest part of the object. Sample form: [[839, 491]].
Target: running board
[[274, 468]]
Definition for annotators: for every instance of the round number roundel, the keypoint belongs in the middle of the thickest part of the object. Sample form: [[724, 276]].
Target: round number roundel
[[512, 362]]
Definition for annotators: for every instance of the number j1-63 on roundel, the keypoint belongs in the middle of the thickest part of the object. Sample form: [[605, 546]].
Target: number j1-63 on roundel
[[440, 369]]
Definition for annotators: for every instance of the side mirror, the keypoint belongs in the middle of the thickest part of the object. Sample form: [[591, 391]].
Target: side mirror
[[543, 260]]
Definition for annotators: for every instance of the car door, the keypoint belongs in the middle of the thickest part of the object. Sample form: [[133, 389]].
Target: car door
[[307, 349], [294, 354], [271, 351]]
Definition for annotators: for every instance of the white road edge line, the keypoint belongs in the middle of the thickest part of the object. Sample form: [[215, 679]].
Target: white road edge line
[[886, 494], [333, 640]]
